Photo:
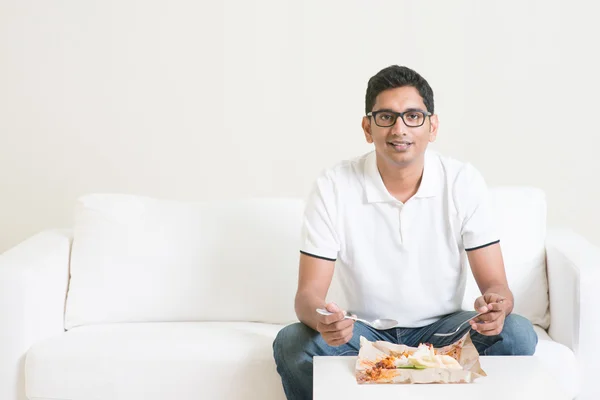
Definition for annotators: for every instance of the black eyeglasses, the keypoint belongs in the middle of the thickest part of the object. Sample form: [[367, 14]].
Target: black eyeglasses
[[387, 118]]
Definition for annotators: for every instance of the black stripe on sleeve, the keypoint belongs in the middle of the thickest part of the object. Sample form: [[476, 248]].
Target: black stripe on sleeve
[[315, 256], [482, 246]]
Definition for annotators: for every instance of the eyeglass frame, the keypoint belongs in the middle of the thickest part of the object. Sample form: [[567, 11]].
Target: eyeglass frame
[[399, 114]]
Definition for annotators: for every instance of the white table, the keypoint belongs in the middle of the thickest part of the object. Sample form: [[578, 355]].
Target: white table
[[511, 378]]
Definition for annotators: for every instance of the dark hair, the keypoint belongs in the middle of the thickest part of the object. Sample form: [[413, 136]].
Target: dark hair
[[396, 76]]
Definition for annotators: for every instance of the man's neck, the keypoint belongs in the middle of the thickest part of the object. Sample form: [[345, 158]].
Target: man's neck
[[401, 182]]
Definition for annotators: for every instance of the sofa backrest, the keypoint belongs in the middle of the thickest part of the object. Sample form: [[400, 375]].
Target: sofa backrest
[[137, 259], [521, 220]]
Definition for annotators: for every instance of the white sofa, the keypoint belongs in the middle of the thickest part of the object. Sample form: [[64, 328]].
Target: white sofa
[[151, 299]]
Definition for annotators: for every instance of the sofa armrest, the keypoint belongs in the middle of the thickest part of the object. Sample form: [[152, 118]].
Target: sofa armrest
[[574, 279], [33, 287]]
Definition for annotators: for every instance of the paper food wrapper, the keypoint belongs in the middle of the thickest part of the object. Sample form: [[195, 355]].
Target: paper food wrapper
[[463, 350]]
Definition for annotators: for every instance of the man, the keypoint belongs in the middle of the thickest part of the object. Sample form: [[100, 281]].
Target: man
[[399, 221]]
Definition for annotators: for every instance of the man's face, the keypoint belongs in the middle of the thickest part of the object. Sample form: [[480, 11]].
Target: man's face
[[400, 144]]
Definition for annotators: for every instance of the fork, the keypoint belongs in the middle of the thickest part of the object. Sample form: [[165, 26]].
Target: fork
[[457, 329]]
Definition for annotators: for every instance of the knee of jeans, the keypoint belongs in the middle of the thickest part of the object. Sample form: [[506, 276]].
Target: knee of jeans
[[518, 336], [290, 340]]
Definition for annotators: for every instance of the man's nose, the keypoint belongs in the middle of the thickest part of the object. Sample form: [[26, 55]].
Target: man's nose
[[399, 128]]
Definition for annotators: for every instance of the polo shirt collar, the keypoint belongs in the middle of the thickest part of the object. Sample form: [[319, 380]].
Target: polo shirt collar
[[377, 192]]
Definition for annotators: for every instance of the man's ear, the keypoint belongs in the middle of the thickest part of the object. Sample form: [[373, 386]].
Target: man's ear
[[433, 127], [366, 125]]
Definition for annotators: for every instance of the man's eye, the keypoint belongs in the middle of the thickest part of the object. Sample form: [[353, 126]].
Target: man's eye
[[414, 116], [385, 117]]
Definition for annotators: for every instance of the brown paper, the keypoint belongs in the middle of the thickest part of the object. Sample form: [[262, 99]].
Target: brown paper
[[462, 350]]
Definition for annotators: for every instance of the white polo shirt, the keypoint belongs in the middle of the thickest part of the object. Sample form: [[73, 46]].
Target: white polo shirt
[[399, 260]]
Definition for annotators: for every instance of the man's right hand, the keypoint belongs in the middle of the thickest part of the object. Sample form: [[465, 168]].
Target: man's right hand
[[335, 329]]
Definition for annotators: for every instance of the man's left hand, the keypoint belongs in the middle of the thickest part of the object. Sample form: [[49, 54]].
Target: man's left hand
[[491, 323]]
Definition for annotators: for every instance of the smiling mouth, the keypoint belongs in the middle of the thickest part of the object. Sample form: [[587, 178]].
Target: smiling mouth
[[400, 145]]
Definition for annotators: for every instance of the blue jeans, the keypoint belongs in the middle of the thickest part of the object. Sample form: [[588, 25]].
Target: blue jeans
[[296, 344]]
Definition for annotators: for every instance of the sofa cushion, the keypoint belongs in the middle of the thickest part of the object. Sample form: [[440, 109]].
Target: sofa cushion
[[136, 259], [149, 361], [187, 360], [521, 219]]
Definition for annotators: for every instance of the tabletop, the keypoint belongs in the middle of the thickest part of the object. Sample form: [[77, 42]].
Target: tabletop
[[508, 377]]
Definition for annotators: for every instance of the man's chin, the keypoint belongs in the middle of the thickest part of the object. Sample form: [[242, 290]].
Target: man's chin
[[399, 159]]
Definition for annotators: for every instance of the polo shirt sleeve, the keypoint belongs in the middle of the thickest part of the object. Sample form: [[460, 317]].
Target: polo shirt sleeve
[[319, 237], [478, 223]]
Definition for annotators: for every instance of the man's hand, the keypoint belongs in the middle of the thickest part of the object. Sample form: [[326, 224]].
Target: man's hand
[[335, 330], [495, 308]]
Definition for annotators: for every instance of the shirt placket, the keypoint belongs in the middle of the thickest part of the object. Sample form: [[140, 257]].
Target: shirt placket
[[403, 224]]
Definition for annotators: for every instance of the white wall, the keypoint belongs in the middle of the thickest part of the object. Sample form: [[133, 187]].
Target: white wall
[[201, 100]]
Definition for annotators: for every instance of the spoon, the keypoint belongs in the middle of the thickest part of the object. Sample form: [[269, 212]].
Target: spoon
[[379, 324]]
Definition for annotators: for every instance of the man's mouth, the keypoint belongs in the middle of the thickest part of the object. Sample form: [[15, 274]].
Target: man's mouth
[[400, 145]]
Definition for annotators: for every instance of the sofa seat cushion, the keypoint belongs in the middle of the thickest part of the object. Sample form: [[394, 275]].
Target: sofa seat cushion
[[188, 360], [183, 360]]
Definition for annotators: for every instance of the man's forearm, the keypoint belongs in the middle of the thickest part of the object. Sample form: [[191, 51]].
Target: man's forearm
[[505, 292], [305, 305]]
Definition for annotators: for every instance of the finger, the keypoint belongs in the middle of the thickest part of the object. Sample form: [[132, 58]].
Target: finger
[[342, 332], [337, 314], [344, 340], [486, 326], [482, 328], [493, 298], [480, 304], [489, 328], [492, 332], [340, 335], [476, 327], [339, 342], [336, 326], [483, 303], [332, 307], [331, 319], [490, 316], [330, 337], [348, 331], [497, 306]]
